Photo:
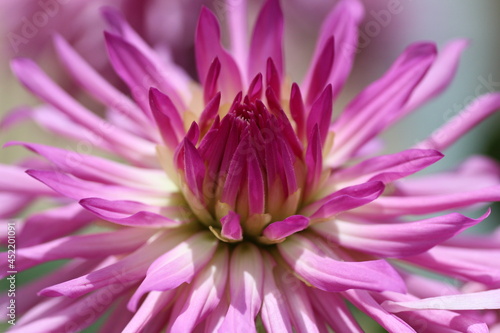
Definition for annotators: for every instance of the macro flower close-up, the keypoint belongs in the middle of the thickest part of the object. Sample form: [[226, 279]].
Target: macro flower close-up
[[240, 200]]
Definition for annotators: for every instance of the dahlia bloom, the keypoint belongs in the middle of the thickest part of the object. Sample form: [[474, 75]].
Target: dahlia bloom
[[235, 204]]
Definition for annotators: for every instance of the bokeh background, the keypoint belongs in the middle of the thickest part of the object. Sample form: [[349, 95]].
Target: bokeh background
[[383, 37]]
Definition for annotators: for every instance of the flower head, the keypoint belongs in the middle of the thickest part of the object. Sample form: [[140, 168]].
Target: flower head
[[237, 202]]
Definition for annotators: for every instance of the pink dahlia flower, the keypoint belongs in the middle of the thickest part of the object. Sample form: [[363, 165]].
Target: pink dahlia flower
[[236, 204]]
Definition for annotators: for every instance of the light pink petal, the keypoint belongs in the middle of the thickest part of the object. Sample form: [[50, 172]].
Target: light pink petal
[[246, 273], [139, 72], [78, 189], [267, 39], [14, 116], [321, 114], [89, 167], [282, 229], [203, 296], [132, 268], [81, 246], [333, 308], [342, 23], [177, 266], [208, 47], [363, 301], [387, 168], [231, 227], [274, 312], [96, 85], [43, 87], [118, 319], [344, 199], [475, 173], [53, 223], [439, 76], [396, 239], [13, 204], [462, 123], [214, 321], [332, 275], [389, 206], [236, 13], [151, 307], [15, 180], [136, 214], [381, 103]]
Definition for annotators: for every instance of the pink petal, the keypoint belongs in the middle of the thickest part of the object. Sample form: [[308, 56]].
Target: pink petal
[[177, 266], [246, 272], [255, 88], [387, 168], [133, 213], [207, 117], [325, 273], [314, 161], [321, 71], [267, 39], [236, 13], [256, 185], [462, 123], [321, 114], [194, 169], [154, 303], [273, 79], [282, 229], [345, 199], [396, 239], [203, 296], [210, 87], [130, 269], [297, 109], [231, 227], [15, 181], [274, 313], [12, 204], [167, 118], [208, 47]]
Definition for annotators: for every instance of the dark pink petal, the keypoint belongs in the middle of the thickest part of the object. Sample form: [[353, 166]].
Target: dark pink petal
[[210, 87], [78, 189], [177, 266], [193, 133], [256, 185], [209, 114], [81, 246], [203, 296], [321, 71], [96, 85], [267, 40], [246, 273], [387, 168], [274, 312], [255, 88], [345, 199], [365, 302], [297, 109], [389, 206], [273, 79], [231, 227], [93, 168], [194, 169], [381, 104], [133, 213], [342, 23], [282, 229], [462, 123], [167, 118], [439, 76], [208, 47], [132, 268], [396, 239], [321, 114], [314, 161], [41, 85], [139, 72], [333, 308], [329, 274], [53, 223]]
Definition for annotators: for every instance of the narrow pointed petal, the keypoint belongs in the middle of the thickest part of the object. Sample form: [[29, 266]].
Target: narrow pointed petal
[[321, 71], [231, 227], [274, 313], [203, 296], [345, 199], [208, 47], [15, 180], [194, 169], [314, 161], [177, 266], [462, 123], [80, 246], [328, 274], [297, 109], [282, 229], [387, 168], [135, 214], [267, 39], [256, 185], [396, 239], [255, 89], [482, 300], [273, 79], [321, 114], [210, 86], [207, 117], [246, 274], [167, 118], [153, 304]]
